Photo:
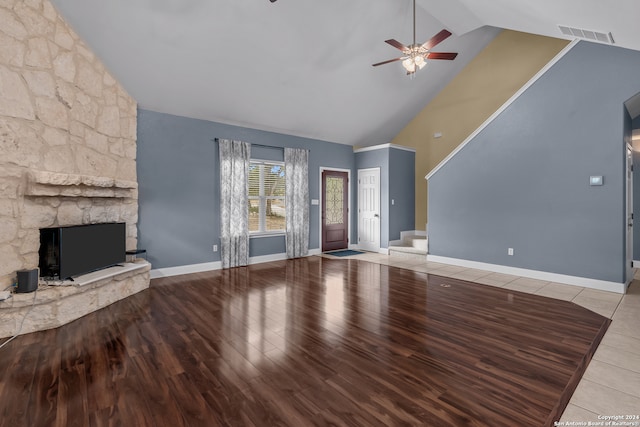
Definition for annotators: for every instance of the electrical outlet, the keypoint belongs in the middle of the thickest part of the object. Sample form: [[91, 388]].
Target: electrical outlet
[[510, 251], [215, 248]]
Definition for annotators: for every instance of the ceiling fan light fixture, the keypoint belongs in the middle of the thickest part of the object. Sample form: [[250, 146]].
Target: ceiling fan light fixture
[[415, 61], [414, 57], [409, 65]]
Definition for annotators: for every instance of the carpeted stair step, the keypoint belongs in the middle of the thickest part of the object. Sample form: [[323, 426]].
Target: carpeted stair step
[[411, 246]]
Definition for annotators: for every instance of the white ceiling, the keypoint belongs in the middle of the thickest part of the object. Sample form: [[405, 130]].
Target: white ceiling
[[303, 67], [619, 17]]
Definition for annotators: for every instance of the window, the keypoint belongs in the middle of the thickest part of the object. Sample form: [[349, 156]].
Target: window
[[266, 197]]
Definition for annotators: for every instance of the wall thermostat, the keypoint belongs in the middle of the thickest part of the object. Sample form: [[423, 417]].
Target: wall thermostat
[[596, 180]]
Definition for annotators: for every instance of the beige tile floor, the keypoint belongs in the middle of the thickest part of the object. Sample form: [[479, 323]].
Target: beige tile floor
[[611, 384]]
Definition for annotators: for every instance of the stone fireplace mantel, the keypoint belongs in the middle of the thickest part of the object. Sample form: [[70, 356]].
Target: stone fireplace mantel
[[55, 184]]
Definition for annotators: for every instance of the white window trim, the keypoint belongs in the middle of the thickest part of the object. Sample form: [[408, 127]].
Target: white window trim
[[262, 199]]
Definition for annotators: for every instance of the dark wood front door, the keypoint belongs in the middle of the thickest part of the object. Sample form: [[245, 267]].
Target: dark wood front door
[[335, 210]]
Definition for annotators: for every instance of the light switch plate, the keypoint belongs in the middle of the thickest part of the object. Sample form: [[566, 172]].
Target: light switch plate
[[315, 202]]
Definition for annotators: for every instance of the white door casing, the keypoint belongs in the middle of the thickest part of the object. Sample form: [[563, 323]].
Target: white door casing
[[629, 216], [369, 209]]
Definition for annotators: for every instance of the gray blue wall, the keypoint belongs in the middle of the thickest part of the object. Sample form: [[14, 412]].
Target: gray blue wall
[[179, 185], [402, 182], [523, 181], [397, 182], [378, 159]]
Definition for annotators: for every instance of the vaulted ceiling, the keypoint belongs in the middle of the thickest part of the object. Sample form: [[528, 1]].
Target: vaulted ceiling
[[303, 67]]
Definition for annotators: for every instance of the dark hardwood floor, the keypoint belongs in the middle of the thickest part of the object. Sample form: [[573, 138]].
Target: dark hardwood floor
[[310, 341]]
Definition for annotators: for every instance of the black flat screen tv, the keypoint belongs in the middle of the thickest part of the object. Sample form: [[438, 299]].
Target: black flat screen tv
[[66, 252]]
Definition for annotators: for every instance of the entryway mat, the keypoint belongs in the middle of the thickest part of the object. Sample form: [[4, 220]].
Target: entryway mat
[[344, 252]]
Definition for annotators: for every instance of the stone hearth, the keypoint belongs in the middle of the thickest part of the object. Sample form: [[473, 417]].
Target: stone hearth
[[53, 306]]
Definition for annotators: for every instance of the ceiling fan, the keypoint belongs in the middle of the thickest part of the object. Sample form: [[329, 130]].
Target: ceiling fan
[[415, 55]]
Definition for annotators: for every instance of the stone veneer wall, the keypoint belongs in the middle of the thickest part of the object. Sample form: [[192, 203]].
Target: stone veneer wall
[[67, 135]]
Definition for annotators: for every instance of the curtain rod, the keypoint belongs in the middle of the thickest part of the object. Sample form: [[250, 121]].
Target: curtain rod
[[260, 145]]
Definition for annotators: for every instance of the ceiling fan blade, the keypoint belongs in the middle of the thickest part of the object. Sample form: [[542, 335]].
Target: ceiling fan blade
[[438, 38], [397, 44], [386, 62], [442, 55]]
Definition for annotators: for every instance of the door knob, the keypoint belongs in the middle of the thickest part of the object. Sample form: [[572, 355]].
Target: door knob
[[376, 215]]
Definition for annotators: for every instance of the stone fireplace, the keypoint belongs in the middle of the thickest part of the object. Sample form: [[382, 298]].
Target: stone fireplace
[[67, 140]]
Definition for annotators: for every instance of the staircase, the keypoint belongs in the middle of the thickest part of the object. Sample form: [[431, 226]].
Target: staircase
[[412, 247]]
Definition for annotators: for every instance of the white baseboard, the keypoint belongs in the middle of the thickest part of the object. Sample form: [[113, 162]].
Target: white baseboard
[[584, 282], [217, 265], [383, 251], [267, 258], [185, 269], [636, 264]]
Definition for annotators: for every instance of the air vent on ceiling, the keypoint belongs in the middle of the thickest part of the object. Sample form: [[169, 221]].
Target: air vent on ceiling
[[595, 36]]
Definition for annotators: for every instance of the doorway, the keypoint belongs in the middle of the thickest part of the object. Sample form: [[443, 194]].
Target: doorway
[[334, 210], [369, 209]]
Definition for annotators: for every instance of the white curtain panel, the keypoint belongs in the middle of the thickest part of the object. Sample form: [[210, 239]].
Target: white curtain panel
[[234, 209], [296, 166]]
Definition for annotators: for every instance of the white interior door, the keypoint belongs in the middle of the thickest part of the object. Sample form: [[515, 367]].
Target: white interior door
[[629, 215], [369, 209]]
